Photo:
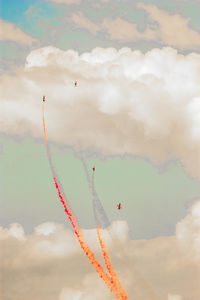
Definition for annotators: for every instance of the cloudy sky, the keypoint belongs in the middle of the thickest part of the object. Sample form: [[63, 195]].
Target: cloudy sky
[[135, 115]]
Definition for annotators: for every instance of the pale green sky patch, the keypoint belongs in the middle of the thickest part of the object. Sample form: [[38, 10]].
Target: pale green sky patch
[[148, 197], [192, 10]]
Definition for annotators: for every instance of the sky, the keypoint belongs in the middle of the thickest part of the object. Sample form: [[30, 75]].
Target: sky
[[134, 115]]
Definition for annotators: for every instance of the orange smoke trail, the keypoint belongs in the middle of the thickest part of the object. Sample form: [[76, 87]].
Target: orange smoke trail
[[144, 286], [99, 269], [107, 259], [109, 266], [44, 127]]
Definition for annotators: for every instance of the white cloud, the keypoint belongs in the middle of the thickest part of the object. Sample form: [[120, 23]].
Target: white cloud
[[122, 30], [117, 29], [81, 21], [125, 102], [45, 228], [53, 240], [11, 32], [172, 30], [87, 292], [174, 297], [159, 266], [16, 231], [70, 294], [188, 232]]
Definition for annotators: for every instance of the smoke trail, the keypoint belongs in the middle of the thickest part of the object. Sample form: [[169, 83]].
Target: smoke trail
[[109, 265], [99, 269], [102, 220], [100, 215], [104, 250]]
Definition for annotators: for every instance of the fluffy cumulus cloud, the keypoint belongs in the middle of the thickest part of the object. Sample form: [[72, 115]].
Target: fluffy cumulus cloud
[[173, 30], [117, 29], [122, 30], [174, 297], [11, 32], [50, 264], [82, 22], [125, 102], [188, 233]]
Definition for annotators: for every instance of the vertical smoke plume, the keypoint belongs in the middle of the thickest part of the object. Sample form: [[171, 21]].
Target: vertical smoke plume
[[99, 269]]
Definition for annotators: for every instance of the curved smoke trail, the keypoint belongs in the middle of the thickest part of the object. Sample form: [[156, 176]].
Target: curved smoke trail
[[106, 257], [99, 213], [103, 221], [99, 269]]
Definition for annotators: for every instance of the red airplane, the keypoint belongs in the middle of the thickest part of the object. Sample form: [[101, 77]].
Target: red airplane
[[43, 98], [119, 206], [75, 83], [93, 168]]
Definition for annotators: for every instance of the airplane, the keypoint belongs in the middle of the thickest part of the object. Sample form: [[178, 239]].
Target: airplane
[[75, 83], [93, 168], [44, 99], [119, 206]]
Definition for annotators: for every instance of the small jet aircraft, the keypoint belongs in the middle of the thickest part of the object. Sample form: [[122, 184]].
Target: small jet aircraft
[[93, 168], [75, 83], [119, 206], [44, 99]]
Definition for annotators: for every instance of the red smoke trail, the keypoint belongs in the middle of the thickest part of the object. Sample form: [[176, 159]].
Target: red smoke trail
[[99, 269], [107, 259]]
